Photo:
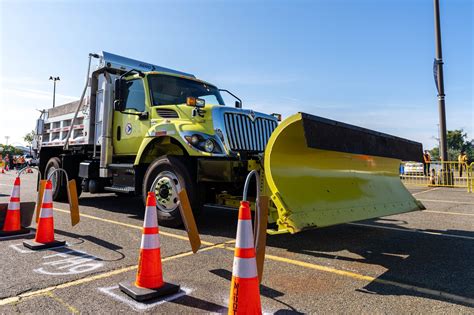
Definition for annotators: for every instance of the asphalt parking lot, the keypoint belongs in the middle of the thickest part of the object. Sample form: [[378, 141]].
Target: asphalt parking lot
[[418, 262]]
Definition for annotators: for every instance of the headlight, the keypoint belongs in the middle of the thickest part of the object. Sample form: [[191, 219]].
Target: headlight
[[209, 145], [194, 140], [204, 144]]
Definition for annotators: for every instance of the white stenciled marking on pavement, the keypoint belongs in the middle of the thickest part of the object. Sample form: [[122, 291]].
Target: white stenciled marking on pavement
[[74, 262], [21, 249], [119, 296]]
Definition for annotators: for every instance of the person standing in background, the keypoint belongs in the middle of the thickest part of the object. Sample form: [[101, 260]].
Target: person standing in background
[[427, 162], [7, 162], [462, 162]]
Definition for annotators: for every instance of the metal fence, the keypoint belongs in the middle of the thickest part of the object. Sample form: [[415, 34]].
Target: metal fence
[[438, 174]]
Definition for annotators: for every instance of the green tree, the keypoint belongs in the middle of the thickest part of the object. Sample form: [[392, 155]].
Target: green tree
[[457, 141], [435, 154], [28, 138], [11, 150]]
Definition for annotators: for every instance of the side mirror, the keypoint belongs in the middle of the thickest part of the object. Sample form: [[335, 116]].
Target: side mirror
[[195, 102], [119, 100], [39, 127], [238, 104]]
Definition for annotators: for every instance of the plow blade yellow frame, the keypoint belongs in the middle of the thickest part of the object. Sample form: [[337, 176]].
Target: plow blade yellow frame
[[321, 172]]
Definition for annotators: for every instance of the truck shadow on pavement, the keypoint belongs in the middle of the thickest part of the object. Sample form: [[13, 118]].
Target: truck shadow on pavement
[[433, 262], [131, 205]]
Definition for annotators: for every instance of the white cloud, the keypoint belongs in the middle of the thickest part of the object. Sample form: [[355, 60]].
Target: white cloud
[[38, 95], [18, 106]]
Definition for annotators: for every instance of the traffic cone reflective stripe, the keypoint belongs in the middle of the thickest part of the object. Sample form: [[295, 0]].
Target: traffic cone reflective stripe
[[45, 228], [150, 241], [150, 274], [12, 218], [244, 290], [244, 234]]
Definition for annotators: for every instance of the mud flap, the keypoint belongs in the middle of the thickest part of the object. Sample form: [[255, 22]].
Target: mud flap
[[322, 172], [188, 220], [39, 198], [261, 235], [73, 202]]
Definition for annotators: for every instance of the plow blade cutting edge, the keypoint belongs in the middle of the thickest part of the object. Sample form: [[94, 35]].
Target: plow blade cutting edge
[[321, 172]]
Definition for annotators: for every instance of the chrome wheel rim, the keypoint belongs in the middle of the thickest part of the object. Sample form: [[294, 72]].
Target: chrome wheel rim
[[166, 195]]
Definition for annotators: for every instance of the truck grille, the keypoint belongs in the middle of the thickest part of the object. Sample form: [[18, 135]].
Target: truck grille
[[243, 134]]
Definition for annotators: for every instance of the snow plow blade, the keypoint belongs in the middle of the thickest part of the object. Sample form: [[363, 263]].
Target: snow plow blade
[[322, 172]]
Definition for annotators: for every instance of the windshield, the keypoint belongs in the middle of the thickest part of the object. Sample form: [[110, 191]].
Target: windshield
[[169, 90]]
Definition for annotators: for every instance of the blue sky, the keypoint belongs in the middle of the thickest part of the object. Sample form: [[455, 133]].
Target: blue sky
[[367, 63]]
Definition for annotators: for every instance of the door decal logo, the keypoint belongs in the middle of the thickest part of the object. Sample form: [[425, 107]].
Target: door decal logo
[[128, 129]]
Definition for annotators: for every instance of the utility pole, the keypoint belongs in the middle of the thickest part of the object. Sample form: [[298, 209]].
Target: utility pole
[[438, 69], [6, 140], [54, 79], [439, 139]]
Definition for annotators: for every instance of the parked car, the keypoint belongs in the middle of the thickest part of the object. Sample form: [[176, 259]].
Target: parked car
[[31, 161], [412, 168]]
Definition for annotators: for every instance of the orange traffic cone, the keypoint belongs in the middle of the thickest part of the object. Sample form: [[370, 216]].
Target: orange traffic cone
[[149, 282], [244, 288], [45, 229], [12, 225]]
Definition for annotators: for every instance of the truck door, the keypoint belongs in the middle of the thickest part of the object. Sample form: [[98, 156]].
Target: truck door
[[129, 130]]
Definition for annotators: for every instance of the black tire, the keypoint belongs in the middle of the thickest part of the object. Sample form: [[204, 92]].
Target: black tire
[[171, 164], [60, 190], [60, 193]]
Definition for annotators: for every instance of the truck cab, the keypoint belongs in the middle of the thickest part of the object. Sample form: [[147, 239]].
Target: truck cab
[[140, 125]]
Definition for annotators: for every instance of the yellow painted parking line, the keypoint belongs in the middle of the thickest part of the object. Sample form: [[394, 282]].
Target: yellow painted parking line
[[425, 191], [46, 291], [448, 201], [71, 308], [453, 213], [132, 226], [411, 230]]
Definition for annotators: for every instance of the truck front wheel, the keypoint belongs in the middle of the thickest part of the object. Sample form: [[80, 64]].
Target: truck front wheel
[[162, 172]]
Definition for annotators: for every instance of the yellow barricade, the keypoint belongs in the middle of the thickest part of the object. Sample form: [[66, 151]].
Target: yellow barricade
[[438, 174], [471, 177]]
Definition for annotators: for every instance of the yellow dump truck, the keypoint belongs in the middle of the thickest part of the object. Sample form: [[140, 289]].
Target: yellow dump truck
[[139, 124]]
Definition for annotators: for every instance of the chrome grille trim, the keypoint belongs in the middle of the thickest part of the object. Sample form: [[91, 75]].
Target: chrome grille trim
[[243, 134]]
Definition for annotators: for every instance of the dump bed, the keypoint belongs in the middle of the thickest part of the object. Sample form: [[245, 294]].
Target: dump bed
[[57, 123]]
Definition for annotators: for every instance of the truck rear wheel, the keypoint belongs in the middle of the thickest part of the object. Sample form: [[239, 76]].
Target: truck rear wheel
[[166, 169], [58, 180]]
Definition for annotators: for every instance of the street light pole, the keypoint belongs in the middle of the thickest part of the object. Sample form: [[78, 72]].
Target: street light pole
[[54, 79], [440, 84]]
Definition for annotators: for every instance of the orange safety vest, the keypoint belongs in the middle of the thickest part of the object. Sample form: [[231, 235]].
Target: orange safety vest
[[427, 158], [462, 158]]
